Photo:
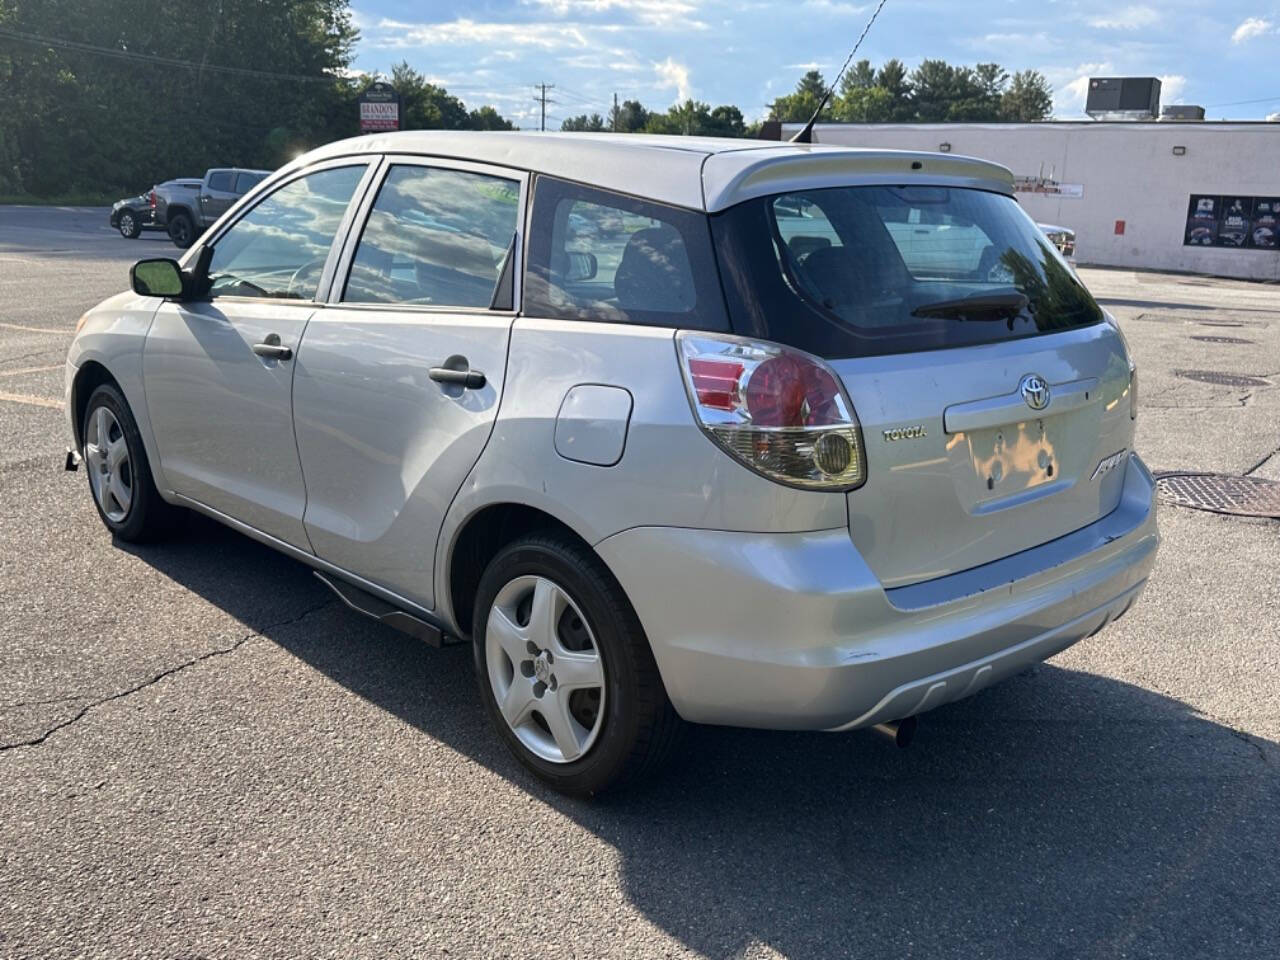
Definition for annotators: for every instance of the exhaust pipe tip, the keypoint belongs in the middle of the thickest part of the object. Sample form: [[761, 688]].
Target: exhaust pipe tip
[[901, 732]]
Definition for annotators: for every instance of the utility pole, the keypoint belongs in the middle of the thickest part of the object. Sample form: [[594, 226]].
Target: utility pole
[[615, 111], [544, 100]]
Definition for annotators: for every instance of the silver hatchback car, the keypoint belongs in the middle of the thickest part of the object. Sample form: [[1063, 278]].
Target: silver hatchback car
[[731, 432]]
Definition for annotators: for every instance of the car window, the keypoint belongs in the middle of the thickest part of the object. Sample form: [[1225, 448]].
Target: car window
[[278, 249], [435, 237], [220, 180], [870, 270], [247, 181], [596, 255]]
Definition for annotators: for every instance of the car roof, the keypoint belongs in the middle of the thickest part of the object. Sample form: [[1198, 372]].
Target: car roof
[[702, 173]]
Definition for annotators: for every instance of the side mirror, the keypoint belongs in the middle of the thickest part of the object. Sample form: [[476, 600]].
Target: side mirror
[[582, 266], [158, 277]]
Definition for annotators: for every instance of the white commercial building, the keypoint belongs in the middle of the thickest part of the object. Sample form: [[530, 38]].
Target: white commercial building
[[1202, 197]]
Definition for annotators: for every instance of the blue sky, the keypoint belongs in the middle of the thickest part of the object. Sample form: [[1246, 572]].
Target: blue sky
[[1212, 52]]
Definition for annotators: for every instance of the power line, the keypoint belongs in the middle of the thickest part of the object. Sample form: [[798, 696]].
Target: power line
[[1241, 103], [39, 41]]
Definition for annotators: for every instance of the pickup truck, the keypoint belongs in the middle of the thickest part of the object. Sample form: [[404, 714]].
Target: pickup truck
[[185, 214], [133, 214]]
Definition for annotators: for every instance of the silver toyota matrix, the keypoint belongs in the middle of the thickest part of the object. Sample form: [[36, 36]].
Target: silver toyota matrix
[[669, 429]]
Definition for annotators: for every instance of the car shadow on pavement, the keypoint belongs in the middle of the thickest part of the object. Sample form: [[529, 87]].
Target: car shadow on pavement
[[1059, 814]]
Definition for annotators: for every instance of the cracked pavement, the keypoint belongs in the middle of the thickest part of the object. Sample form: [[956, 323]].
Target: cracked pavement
[[207, 756]]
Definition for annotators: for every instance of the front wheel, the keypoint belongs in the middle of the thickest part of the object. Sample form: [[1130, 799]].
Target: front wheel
[[119, 474], [565, 669], [129, 225]]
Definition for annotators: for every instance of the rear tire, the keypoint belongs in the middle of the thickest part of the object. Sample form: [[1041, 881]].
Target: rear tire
[[605, 689], [182, 230], [118, 471]]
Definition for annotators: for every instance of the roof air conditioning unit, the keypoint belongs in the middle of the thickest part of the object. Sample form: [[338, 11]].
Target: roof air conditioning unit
[[1181, 111], [1123, 98]]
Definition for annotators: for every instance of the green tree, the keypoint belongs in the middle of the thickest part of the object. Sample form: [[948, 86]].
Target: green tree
[[100, 105], [487, 118], [892, 78], [630, 117], [1027, 98], [593, 123], [799, 106]]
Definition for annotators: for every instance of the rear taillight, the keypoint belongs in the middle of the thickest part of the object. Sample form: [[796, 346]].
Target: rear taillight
[[153, 199], [781, 412]]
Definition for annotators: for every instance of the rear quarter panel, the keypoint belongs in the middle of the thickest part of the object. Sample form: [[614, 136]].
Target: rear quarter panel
[[670, 472]]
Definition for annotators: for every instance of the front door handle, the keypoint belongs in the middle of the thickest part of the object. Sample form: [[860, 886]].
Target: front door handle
[[272, 349], [456, 370]]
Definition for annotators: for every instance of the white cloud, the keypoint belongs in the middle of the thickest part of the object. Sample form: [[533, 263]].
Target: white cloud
[[672, 74], [548, 36], [812, 65], [834, 6], [657, 13], [1273, 117], [1171, 87], [1126, 18], [1250, 28]]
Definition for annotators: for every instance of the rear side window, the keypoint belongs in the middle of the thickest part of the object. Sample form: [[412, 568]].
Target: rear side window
[[596, 255], [435, 237], [862, 271], [221, 180]]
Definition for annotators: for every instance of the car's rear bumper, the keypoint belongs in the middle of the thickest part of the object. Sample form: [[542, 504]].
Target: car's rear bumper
[[794, 630]]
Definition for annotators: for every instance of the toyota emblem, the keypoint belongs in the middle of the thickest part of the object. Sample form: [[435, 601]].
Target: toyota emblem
[[1035, 390]]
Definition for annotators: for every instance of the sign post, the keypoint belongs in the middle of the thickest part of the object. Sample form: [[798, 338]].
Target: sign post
[[379, 108]]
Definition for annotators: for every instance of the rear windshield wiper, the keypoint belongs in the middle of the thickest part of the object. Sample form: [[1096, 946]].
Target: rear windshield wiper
[[982, 306]]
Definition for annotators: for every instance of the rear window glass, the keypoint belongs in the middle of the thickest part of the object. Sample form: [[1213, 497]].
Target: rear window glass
[[857, 271], [435, 238], [595, 255]]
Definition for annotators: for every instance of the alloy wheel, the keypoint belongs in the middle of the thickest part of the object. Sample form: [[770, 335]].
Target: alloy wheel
[[545, 669], [126, 225], [110, 469]]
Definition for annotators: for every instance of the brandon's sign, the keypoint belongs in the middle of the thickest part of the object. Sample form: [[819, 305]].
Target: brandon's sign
[[379, 108]]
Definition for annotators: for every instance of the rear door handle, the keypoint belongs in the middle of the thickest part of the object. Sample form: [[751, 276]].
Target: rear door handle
[[272, 349], [457, 371]]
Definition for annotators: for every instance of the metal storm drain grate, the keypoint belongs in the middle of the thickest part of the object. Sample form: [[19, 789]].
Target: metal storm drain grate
[[1221, 493], [1217, 378], [1223, 340]]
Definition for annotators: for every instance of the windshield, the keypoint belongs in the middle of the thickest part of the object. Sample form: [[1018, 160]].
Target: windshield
[[857, 271]]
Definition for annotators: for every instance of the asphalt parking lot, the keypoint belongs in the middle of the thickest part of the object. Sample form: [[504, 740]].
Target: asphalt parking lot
[[202, 754]]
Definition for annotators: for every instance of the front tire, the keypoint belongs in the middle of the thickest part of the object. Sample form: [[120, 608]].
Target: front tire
[[565, 669], [119, 473], [182, 231], [129, 225]]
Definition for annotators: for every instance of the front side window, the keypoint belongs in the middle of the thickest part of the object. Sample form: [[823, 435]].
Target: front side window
[[859, 271], [278, 249], [435, 237], [595, 255]]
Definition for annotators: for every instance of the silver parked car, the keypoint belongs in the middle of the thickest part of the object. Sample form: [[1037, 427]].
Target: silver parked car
[[736, 433]]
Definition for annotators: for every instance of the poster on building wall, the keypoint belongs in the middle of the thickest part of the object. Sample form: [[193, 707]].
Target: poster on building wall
[[1229, 221]]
